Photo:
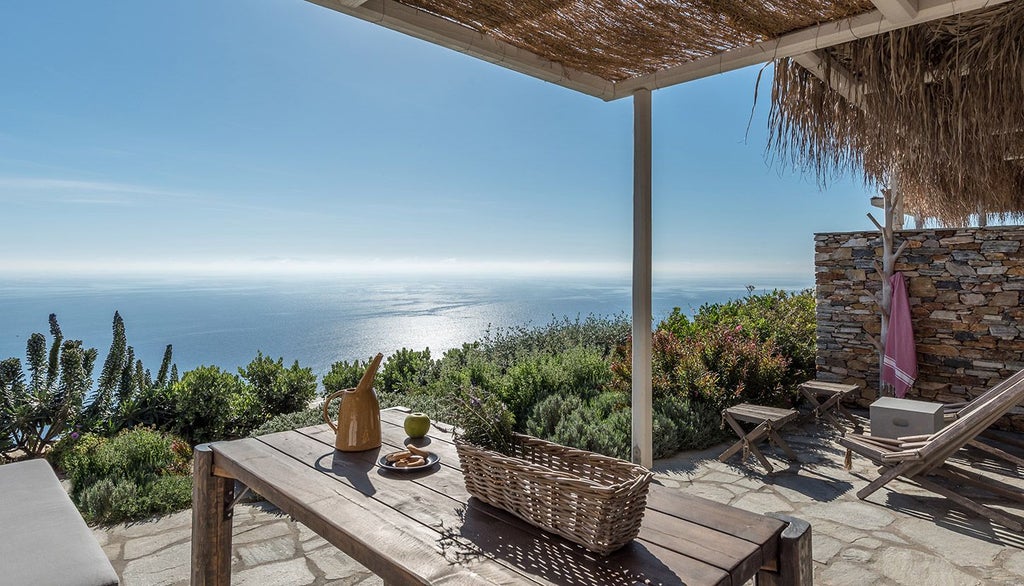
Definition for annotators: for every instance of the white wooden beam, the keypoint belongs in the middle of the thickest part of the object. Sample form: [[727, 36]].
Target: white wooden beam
[[437, 30], [834, 75], [796, 43], [643, 412], [897, 10]]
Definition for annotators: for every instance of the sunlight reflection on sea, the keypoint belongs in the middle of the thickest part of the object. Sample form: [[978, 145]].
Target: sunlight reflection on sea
[[318, 322]]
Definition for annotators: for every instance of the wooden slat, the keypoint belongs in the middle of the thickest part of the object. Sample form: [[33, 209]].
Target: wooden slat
[[759, 413], [757, 529], [738, 557], [634, 563], [897, 10]]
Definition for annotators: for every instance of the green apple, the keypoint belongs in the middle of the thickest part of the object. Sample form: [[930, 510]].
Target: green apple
[[417, 425]]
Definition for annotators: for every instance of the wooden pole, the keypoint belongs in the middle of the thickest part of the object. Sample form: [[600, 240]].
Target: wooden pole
[[887, 264], [643, 414], [891, 205], [211, 522]]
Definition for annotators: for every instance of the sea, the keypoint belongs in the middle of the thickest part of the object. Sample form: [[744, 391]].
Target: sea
[[225, 322]]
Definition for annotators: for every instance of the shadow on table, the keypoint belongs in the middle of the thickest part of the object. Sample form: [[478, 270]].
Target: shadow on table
[[355, 470], [483, 533]]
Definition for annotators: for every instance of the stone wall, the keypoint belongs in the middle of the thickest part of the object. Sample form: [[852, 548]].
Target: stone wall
[[965, 289]]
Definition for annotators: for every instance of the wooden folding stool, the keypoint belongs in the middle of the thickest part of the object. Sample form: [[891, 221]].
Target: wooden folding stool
[[768, 420], [833, 395]]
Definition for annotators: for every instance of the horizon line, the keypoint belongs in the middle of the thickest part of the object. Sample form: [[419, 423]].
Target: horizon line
[[292, 267]]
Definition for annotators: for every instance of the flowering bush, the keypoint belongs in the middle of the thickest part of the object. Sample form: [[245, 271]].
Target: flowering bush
[[693, 381]]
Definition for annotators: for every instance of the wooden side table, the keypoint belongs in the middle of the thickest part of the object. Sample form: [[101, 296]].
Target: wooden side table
[[826, 397], [768, 420]]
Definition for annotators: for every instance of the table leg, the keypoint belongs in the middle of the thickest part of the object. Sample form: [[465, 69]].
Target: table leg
[[796, 566], [212, 497]]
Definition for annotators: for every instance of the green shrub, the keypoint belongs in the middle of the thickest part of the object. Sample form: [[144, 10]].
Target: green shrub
[[575, 371], [278, 390], [204, 403], [601, 424], [169, 493], [505, 346], [289, 421], [137, 473], [344, 375], [407, 369]]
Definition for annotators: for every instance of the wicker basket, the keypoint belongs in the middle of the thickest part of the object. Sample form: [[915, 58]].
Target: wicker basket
[[593, 500]]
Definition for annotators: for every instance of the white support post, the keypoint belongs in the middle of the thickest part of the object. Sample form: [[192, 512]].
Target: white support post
[[643, 414]]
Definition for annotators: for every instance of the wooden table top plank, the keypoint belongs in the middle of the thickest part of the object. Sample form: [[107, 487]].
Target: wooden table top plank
[[738, 557], [451, 484], [545, 547], [760, 530]]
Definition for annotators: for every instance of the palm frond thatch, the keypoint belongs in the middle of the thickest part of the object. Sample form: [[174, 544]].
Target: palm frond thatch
[[937, 110]]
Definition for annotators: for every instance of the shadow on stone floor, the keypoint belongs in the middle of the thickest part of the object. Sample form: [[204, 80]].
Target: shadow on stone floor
[[942, 513]]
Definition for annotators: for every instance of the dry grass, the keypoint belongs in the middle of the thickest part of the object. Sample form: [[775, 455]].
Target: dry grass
[[940, 107]]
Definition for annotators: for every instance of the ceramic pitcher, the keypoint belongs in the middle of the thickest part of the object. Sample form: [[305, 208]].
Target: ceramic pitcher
[[358, 427]]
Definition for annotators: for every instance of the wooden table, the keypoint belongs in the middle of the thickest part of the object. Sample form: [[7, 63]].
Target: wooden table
[[423, 528]]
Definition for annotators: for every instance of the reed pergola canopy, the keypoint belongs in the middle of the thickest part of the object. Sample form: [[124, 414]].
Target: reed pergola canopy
[[611, 48]]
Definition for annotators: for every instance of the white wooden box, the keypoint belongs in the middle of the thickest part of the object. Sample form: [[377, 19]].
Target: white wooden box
[[893, 418]]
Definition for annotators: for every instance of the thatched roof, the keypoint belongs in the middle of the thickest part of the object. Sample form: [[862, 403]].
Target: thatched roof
[[935, 110], [617, 40]]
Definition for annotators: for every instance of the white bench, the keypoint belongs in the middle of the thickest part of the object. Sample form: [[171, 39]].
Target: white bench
[[43, 539]]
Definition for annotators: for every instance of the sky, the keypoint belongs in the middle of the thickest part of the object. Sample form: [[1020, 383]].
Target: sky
[[256, 136]]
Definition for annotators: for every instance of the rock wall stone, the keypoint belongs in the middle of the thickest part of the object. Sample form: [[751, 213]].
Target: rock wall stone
[[965, 287]]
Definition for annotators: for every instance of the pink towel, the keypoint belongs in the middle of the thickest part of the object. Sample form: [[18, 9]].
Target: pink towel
[[899, 367]]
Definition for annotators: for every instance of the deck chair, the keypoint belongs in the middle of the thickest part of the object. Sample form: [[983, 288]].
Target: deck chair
[[953, 411], [918, 458]]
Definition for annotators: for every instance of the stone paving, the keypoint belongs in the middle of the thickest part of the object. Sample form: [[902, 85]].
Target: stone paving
[[907, 537]]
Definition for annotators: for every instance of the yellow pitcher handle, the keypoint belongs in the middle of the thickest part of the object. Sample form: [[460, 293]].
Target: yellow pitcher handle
[[327, 401]]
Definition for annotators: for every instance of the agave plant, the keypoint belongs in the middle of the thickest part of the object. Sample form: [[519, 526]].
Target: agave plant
[[40, 402]]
